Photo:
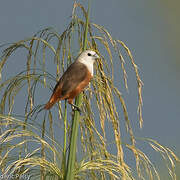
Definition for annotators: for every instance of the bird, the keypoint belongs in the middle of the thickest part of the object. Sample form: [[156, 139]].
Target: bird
[[74, 80]]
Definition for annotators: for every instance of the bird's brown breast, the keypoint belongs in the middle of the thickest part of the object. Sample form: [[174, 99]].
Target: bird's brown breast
[[80, 87], [72, 82]]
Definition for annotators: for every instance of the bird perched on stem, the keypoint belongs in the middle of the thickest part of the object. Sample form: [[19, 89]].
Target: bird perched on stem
[[74, 80]]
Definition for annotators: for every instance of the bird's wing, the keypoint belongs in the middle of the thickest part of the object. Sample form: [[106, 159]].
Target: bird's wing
[[75, 74]]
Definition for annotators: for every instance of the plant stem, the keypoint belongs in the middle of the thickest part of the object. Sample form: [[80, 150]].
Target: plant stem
[[75, 123], [65, 137]]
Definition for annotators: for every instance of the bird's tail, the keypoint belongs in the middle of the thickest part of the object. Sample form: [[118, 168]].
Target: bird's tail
[[49, 104]]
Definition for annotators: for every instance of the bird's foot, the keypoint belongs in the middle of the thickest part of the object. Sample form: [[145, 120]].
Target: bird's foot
[[76, 108]]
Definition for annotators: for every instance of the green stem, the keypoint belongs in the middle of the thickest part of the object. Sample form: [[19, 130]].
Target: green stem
[[65, 137], [75, 121]]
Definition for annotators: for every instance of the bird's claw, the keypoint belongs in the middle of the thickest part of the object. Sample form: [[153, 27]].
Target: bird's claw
[[76, 108]]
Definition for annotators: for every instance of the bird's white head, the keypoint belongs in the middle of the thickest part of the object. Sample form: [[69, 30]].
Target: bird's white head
[[88, 58]]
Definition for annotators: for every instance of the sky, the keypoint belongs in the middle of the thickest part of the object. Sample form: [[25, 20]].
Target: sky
[[149, 29]]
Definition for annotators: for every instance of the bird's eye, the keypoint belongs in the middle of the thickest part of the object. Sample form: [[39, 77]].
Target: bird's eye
[[89, 54]]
